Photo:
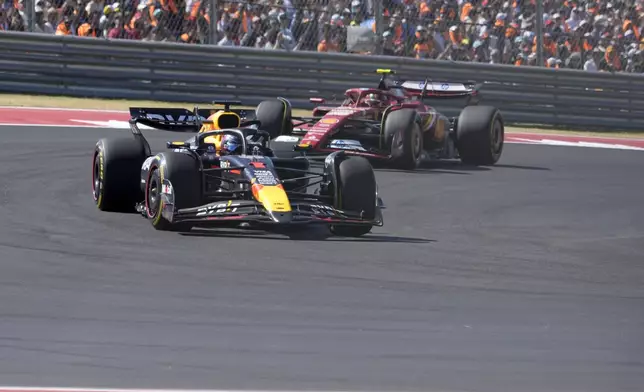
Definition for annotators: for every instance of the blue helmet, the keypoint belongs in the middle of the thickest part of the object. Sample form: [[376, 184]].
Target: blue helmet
[[231, 144]]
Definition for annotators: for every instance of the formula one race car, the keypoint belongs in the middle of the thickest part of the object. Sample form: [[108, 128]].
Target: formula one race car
[[227, 173], [391, 123]]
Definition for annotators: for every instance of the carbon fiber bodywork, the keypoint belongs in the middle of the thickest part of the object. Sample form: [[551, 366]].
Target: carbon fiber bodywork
[[358, 127], [252, 187]]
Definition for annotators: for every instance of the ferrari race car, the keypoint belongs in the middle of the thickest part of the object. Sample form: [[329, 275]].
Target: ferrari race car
[[391, 123], [226, 174]]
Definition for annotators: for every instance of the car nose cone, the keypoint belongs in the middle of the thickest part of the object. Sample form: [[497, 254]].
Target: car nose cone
[[281, 217]]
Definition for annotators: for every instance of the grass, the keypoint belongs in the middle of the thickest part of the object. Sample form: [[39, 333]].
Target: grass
[[21, 100]]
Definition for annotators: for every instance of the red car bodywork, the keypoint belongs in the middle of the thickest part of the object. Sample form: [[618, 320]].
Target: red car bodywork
[[332, 122]]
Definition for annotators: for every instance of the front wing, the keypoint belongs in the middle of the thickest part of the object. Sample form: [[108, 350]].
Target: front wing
[[252, 211]]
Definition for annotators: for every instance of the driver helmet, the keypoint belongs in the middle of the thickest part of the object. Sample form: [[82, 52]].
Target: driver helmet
[[373, 99], [231, 145]]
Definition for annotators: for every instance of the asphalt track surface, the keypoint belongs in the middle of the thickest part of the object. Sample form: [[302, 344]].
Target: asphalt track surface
[[528, 276]]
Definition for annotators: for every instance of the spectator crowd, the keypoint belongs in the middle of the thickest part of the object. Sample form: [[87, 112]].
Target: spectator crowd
[[594, 35]]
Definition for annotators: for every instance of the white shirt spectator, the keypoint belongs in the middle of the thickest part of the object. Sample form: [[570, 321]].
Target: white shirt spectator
[[573, 21], [47, 28], [481, 25], [226, 41], [590, 65], [287, 40]]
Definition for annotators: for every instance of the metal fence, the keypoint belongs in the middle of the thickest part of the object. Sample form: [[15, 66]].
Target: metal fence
[[584, 34], [85, 67]]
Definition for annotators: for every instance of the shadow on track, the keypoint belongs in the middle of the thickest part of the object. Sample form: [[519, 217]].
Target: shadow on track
[[298, 235], [383, 238], [523, 167], [456, 167], [421, 171], [462, 167]]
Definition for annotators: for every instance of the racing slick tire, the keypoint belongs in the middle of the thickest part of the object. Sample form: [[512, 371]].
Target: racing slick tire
[[182, 172], [403, 134], [356, 183], [116, 170], [479, 135], [275, 117]]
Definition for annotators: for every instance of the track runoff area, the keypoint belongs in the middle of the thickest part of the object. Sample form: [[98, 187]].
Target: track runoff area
[[56, 117], [525, 276]]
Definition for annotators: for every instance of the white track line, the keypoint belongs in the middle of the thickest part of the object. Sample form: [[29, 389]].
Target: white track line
[[581, 143], [513, 138], [563, 134]]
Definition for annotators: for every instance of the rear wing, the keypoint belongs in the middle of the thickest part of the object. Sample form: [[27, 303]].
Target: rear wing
[[428, 89], [180, 119]]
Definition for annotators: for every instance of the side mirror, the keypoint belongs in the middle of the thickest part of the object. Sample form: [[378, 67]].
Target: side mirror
[[317, 100]]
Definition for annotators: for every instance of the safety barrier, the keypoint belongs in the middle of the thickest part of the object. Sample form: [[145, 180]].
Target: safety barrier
[[88, 67]]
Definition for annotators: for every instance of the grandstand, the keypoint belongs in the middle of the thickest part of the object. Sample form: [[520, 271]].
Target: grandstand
[[594, 35]]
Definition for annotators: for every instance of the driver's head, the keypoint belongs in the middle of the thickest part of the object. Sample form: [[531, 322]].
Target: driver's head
[[231, 145], [372, 100]]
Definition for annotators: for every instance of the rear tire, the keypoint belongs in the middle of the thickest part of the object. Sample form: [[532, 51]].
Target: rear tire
[[182, 172], [116, 170], [479, 135], [275, 117], [357, 192], [405, 138]]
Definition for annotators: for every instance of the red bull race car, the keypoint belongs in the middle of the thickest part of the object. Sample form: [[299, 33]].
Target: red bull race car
[[390, 123], [227, 175]]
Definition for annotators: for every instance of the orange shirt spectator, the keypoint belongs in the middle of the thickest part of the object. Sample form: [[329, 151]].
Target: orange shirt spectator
[[327, 46], [86, 30], [62, 29]]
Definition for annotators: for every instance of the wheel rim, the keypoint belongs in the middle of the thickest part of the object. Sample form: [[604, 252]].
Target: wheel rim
[[497, 137], [96, 178], [152, 198], [416, 145]]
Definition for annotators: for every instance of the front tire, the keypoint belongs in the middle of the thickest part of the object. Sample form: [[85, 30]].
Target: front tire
[[116, 169], [403, 134], [173, 182], [356, 183], [480, 135]]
